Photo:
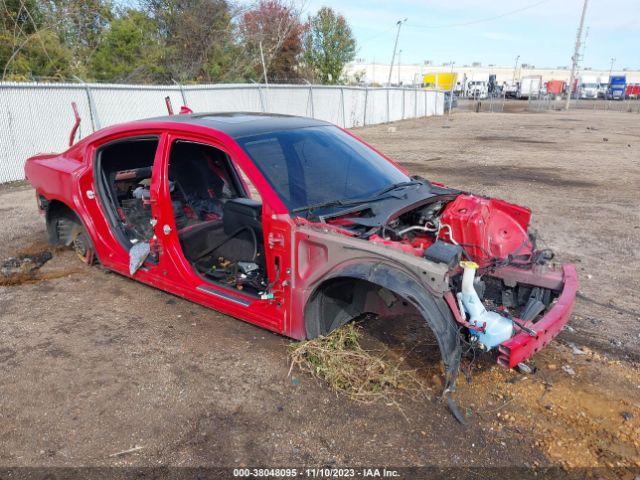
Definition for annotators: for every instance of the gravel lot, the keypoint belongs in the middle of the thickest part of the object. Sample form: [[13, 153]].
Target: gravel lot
[[92, 364]]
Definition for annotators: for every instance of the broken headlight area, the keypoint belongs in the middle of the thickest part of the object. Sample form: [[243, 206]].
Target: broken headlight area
[[504, 291], [494, 309]]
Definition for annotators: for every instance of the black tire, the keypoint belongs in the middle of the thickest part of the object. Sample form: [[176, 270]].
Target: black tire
[[83, 247]]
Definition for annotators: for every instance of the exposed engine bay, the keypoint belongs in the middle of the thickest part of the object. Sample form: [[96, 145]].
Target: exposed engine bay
[[474, 237]]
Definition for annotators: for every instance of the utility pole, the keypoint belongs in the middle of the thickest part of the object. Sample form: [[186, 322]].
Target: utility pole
[[613, 60], [584, 44], [515, 68], [395, 46], [576, 54]]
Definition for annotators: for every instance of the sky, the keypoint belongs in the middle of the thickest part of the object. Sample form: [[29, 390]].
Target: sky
[[543, 33]]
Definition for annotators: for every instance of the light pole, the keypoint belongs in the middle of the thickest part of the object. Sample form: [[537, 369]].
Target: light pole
[[399, 65], [613, 60], [395, 46], [515, 68]]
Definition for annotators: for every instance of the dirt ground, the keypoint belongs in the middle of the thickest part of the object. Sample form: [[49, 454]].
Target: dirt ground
[[93, 364]]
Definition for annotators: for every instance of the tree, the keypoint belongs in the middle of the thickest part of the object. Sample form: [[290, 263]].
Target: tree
[[197, 37], [28, 45], [130, 51], [277, 26], [328, 45], [23, 16], [79, 25]]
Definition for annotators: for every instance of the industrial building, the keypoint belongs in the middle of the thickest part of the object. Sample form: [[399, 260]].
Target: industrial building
[[412, 74]]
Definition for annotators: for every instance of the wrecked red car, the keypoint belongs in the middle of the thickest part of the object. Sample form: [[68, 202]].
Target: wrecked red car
[[297, 226]]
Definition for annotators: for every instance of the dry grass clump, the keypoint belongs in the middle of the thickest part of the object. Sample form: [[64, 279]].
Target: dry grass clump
[[364, 376]]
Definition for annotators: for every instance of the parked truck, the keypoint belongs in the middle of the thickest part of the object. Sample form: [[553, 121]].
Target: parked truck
[[603, 84], [616, 87], [555, 88], [632, 91], [439, 81], [530, 86], [588, 87], [477, 89], [511, 90]]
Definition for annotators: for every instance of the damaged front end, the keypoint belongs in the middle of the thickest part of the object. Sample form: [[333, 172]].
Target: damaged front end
[[505, 294]]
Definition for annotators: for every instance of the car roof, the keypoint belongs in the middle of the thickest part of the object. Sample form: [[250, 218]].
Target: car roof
[[242, 124]]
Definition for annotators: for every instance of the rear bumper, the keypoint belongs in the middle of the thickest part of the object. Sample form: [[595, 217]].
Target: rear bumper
[[522, 346]]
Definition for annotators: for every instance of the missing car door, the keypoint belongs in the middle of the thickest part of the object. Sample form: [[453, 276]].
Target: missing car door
[[123, 172], [219, 227]]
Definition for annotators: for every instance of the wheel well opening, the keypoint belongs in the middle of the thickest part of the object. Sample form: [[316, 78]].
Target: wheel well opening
[[65, 228], [395, 323], [335, 302], [338, 300], [62, 223]]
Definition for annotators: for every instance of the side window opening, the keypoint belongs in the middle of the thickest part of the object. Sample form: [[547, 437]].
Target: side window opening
[[200, 182], [124, 169], [219, 227]]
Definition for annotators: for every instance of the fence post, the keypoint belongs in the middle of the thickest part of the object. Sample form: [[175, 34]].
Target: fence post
[[310, 100], [259, 95], [415, 103], [403, 102], [426, 113], [388, 105], [262, 102], [182, 93], [93, 111], [366, 98], [344, 119]]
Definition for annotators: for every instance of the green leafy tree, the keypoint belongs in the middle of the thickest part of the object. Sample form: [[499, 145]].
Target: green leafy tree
[[198, 38], [29, 46], [328, 45], [129, 51], [80, 25], [25, 16]]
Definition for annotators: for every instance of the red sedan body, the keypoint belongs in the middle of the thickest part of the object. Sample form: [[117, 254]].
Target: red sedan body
[[303, 274]]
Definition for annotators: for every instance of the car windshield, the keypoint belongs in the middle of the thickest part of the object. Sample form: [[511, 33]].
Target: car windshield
[[316, 165]]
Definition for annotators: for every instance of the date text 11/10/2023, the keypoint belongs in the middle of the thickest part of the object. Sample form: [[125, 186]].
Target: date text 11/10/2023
[[315, 472]]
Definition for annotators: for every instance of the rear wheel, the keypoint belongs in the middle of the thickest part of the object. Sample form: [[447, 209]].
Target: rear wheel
[[82, 246], [65, 228]]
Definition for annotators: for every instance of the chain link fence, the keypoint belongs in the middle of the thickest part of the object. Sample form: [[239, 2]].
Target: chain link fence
[[547, 102], [501, 104], [37, 118], [490, 104]]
